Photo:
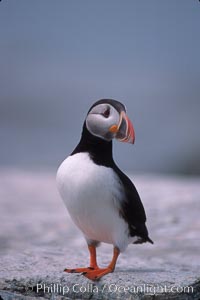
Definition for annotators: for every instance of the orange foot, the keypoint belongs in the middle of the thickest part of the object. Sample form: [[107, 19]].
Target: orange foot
[[96, 274], [79, 270]]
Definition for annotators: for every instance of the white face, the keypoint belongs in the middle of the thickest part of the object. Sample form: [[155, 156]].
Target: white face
[[100, 119]]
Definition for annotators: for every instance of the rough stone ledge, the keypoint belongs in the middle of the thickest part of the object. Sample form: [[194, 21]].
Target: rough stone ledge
[[38, 240], [38, 275], [28, 290]]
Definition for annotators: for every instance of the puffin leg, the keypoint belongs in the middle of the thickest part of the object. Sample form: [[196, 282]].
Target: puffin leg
[[97, 273], [93, 262]]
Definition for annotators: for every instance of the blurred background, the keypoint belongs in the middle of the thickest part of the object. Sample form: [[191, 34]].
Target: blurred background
[[58, 57]]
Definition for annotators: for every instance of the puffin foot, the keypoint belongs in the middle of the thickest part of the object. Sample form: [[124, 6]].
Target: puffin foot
[[97, 273], [79, 270], [93, 272], [93, 263]]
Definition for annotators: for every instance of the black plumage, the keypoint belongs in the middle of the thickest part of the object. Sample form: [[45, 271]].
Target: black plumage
[[100, 151]]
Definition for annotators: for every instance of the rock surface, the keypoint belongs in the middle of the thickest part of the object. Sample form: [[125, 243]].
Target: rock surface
[[38, 240]]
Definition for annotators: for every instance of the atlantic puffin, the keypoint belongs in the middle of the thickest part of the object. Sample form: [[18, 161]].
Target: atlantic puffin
[[101, 200]]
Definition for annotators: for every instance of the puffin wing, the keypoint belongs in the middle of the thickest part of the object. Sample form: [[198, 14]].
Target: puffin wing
[[132, 210]]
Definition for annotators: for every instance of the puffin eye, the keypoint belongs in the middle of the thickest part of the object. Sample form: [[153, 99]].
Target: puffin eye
[[106, 113]]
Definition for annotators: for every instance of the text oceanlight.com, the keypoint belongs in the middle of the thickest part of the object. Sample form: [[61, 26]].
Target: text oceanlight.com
[[57, 288]]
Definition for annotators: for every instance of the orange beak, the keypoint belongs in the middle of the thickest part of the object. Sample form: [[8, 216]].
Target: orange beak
[[124, 131]]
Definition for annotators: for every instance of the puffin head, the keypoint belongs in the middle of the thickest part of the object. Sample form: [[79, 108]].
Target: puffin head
[[107, 119]]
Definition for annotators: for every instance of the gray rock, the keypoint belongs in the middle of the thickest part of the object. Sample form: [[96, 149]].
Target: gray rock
[[38, 240]]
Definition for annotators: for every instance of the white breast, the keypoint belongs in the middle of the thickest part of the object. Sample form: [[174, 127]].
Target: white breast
[[92, 195]]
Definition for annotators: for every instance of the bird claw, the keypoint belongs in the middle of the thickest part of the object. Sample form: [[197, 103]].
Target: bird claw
[[97, 273], [79, 270], [90, 272], [84, 273]]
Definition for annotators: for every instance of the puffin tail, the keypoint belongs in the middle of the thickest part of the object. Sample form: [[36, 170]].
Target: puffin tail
[[149, 240], [143, 240]]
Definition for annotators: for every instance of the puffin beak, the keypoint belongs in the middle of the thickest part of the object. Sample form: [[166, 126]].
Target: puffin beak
[[124, 131]]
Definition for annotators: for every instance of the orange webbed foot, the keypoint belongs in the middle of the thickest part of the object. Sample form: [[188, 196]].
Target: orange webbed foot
[[97, 273], [93, 263], [79, 270], [94, 272]]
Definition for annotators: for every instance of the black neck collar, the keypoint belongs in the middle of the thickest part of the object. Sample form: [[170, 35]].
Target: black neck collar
[[99, 150]]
